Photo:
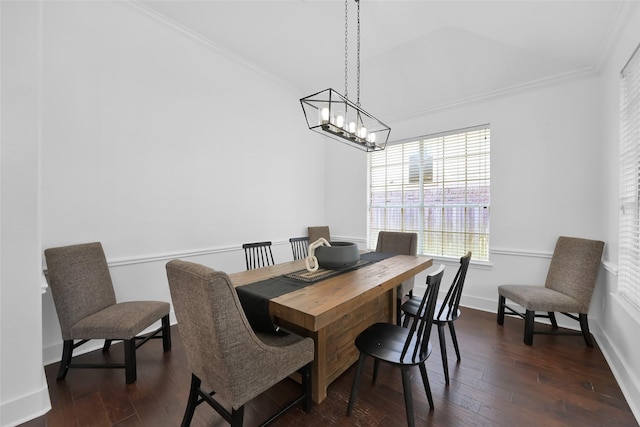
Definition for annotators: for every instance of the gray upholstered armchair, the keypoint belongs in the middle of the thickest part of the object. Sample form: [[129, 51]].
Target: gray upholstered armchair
[[568, 289], [403, 244], [223, 352], [86, 305]]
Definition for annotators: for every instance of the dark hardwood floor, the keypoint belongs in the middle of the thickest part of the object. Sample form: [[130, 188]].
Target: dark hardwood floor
[[500, 381]]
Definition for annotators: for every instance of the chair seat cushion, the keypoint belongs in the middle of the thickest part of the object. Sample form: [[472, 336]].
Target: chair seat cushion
[[124, 320], [281, 339], [539, 298]]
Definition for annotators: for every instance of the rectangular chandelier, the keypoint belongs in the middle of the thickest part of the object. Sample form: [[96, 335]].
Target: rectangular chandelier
[[331, 114]]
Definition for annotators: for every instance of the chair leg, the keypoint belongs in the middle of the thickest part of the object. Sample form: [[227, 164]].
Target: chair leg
[[528, 327], [443, 352], [356, 381], [427, 387], [166, 334], [306, 386], [67, 354], [106, 346], [237, 416], [192, 402], [405, 322], [398, 310], [552, 318], [408, 398], [454, 338], [501, 302], [584, 325], [376, 367], [130, 360]]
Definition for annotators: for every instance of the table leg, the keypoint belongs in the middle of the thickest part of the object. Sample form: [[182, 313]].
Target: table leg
[[334, 345], [393, 306], [319, 371]]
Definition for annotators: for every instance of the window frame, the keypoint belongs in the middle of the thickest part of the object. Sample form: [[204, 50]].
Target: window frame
[[438, 167], [629, 220]]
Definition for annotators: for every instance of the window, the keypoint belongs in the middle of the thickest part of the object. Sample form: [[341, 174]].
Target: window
[[629, 250], [438, 186]]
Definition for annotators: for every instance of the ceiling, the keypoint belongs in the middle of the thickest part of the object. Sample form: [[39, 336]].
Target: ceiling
[[416, 56]]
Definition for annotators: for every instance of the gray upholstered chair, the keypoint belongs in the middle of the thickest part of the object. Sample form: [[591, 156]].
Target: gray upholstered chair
[[568, 289], [223, 352], [402, 244], [317, 232], [86, 305]]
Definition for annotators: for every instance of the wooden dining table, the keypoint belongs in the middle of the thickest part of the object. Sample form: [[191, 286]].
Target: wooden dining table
[[335, 310]]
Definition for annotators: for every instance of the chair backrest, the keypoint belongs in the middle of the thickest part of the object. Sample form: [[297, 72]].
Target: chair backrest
[[80, 282], [258, 254], [299, 247], [417, 342], [317, 232], [217, 337], [574, 268], [401, 243], [451, 302], [397, 242]]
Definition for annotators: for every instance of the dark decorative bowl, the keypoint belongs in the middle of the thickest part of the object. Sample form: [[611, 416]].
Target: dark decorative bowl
[[339, 255]]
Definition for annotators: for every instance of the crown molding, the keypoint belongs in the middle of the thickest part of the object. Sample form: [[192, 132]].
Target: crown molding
[[499, 93], [194, 35], [625, 11]]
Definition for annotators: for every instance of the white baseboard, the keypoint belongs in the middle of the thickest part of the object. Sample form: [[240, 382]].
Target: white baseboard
[[35, 404], [628, 382], [476, 303]]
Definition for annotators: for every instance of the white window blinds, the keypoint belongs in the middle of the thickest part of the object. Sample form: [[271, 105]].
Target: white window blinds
[[438, 186], [629, 239]]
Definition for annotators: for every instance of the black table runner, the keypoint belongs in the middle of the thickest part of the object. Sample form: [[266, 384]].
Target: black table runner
[[255, 297]]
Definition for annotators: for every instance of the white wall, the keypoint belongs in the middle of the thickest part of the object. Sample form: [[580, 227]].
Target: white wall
[[161, 137], [161, 145], [23, 387], [154, 142]]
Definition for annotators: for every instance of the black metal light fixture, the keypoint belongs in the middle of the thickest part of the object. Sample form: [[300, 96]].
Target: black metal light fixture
[[334, 115]]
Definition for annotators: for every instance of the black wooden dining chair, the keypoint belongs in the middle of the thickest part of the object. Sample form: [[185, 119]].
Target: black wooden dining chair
[[447, 311], [258, 254], [299, 247], [401, 347]]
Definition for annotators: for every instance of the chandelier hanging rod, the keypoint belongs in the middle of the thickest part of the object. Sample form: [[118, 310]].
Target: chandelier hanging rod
[[336, 116]]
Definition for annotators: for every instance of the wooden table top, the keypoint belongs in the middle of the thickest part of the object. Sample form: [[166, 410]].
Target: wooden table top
[[318, 305]]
